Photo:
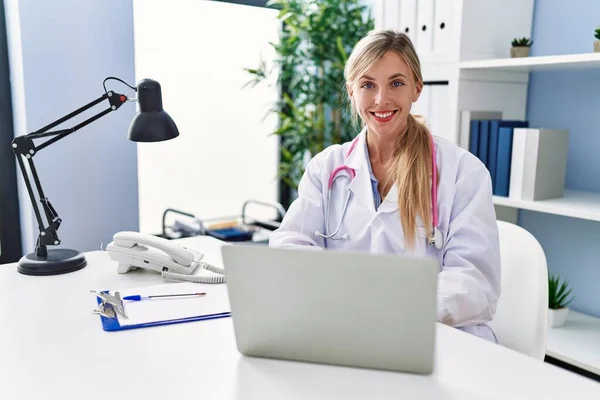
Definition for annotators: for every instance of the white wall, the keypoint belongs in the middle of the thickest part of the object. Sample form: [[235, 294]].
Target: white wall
[[224, 155], [60, 52]]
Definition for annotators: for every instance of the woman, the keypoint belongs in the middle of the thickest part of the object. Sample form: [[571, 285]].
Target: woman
[[389, 208]]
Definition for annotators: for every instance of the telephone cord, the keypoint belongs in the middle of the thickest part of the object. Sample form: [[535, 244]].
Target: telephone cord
[[195, 278]]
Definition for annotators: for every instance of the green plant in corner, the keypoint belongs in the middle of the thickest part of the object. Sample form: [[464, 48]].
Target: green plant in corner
[[597, 33], [522, 42], [315, 41], [558, 292]]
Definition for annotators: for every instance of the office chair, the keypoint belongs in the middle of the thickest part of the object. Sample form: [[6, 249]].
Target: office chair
[[521, 316]]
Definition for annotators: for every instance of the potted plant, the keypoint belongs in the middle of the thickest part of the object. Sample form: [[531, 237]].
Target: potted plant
[[520, 47], [314, 43], [558, 292], [597, 41]]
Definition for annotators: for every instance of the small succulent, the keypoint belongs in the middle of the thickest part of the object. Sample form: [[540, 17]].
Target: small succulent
[[597, 34], [522, 42], [558, 292]]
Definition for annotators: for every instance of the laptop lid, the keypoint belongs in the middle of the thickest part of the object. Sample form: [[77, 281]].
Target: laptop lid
[[353, 309]]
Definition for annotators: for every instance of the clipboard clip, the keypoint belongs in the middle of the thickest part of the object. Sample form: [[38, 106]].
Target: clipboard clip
[[109, 303]]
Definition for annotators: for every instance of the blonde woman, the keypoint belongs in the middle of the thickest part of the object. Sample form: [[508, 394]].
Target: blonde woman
[[375, 193]]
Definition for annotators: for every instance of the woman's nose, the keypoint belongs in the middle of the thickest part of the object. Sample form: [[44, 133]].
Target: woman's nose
[[382, 96]]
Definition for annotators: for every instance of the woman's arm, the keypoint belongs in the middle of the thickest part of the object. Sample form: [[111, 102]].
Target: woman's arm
[[469, 283], [305, 214]]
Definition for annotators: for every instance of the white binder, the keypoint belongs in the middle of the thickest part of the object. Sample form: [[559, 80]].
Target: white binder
[[408, 18], [425, 10], [391, 17], [442, 43]]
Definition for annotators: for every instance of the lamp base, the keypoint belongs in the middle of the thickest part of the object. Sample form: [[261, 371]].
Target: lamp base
[[58, 261]]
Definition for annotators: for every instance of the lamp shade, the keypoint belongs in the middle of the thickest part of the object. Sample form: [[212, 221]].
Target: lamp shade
[[151, 123]]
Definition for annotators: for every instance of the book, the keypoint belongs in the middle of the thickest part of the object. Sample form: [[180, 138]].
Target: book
[[494, 135], [468, 119], [539, 163]]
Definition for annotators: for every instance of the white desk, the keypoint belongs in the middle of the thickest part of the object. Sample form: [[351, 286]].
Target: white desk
[[53, 347]]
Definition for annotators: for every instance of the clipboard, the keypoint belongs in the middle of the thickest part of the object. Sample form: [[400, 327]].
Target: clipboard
[[109, 317]]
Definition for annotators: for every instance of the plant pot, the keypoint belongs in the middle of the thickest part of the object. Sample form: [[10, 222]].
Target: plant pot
[[557, 317], [519, 51], [597, 46]]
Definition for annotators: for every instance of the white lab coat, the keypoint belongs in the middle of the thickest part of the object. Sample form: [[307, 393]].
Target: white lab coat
[[469, 278]]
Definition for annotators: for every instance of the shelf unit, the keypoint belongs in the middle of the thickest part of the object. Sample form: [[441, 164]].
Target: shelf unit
[[575, 204], [577, 342], [476, 63], [534, 64]]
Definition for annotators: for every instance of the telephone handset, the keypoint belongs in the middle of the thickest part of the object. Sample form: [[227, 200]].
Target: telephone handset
[[133, 250]]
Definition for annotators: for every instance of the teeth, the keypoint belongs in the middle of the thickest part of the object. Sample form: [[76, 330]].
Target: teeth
[[385, 115]]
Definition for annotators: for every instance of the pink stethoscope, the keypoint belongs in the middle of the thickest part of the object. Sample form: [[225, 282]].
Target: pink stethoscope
[[434, 239]]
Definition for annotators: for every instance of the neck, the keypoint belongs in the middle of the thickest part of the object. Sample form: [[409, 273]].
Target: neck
[[381, 149]]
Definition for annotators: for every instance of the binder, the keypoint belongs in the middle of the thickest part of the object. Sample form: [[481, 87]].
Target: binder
[[484, 142], [503, 162], [408, 18], [149, 313], [424, 42], [391, 16], [442, 36], [466, 118], [545, 164], [517, 163], [495, 126]]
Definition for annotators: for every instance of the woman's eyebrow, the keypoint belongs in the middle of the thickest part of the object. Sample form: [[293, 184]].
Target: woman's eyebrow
[[390, 78]]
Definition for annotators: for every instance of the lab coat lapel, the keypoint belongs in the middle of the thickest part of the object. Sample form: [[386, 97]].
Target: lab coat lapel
[[361, 185]]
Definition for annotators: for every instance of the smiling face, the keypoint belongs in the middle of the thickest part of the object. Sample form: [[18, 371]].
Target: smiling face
[[383, 96]]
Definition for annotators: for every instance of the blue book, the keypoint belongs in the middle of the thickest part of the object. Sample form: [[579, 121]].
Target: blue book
[[495, 126], [474, 137], [484, 140], [504, 160]]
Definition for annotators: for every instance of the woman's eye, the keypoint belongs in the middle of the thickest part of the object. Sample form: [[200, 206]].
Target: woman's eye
[[397, 84], [367, 85]]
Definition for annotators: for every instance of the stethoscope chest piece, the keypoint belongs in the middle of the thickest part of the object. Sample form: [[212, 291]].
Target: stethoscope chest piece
[[435, 239]]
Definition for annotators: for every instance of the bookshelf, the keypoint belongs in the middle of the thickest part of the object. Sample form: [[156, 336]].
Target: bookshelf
[[472, 55]]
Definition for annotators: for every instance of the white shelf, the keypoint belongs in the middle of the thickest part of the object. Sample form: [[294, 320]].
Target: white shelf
[[530, 64], [576, 204], [577, 342]]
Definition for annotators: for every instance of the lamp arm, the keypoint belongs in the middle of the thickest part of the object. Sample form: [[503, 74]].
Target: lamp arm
[[24, 147]]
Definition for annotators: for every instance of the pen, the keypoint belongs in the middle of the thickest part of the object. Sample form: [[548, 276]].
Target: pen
[[138, 297]]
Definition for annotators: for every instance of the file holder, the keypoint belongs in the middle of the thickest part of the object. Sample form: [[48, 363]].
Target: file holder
[[228, 228]]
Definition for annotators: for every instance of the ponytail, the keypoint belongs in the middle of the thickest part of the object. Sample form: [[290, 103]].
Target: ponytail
[[412, 174]]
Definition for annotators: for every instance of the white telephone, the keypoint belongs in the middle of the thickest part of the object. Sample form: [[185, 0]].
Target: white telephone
[[133, 250]]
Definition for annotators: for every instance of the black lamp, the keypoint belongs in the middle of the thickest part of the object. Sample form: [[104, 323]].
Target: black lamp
[[151, 124]]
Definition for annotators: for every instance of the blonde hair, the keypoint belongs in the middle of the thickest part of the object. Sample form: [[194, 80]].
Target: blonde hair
[[412, 165]]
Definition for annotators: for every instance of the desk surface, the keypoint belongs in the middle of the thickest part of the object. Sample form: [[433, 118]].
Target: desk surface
[[53, 347]]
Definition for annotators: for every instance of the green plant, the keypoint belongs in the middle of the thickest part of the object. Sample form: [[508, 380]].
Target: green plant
[[521, 42], [597, 33], [558, 292], [315, 41]]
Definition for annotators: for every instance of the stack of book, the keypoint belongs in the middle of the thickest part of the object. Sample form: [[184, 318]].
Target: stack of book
[[525, 163]]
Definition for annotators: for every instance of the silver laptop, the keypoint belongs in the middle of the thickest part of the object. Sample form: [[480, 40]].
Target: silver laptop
[[352, 309]]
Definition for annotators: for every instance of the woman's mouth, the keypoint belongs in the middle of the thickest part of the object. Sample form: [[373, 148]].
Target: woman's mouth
[[383, 116]]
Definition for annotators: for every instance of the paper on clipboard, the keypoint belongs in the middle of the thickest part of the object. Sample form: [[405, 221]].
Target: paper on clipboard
[[216, 301]]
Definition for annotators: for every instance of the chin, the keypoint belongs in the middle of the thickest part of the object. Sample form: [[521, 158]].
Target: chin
[[391, 128]]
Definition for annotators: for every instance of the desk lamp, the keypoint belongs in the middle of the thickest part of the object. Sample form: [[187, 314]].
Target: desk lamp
[[150, 124]]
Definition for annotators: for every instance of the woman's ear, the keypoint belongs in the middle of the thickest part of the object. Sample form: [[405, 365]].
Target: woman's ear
[[418, 90], [349, 90]]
